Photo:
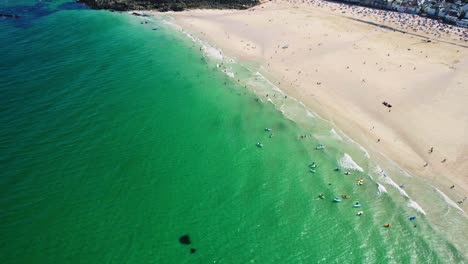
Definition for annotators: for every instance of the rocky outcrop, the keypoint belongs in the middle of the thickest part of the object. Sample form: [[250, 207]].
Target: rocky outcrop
[[9, 15], [168, 5]]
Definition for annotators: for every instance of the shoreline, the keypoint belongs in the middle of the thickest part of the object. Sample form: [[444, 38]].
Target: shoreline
[[210, 28], [223, 28]]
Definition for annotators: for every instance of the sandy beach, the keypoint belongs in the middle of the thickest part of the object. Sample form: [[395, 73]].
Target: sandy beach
[[337, 62]]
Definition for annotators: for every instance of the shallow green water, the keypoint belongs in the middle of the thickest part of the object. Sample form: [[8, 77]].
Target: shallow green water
[[117, 139]]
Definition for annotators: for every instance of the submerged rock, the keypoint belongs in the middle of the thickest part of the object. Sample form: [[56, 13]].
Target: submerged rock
[[185, 239], [10, 16]]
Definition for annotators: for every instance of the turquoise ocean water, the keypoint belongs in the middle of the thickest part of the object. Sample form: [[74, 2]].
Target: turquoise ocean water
[[118, 135]]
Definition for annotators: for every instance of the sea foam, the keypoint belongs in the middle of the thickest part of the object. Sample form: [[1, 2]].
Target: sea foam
[[381, 188], [348, 163], [389, 181], [229, 73], [395, 185], [335, 134], [366, 153], [416, 206], [212, 52], [449, 201]]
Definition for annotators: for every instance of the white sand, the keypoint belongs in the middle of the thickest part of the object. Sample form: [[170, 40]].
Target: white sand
[[344, 69]]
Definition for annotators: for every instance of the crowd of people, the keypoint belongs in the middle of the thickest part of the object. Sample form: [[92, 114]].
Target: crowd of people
[[410, 23]]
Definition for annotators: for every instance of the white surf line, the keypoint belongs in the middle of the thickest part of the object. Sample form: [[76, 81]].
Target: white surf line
[[411, 202], [389, 181], [407, 174], [335, 134], [308, 111], [274, 87], [348, 163], [213, 52], [381, 189], [416, 206], [364, 150], [366, 154], [310, 114], [449, 201], [227, 71], [208, 49]]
